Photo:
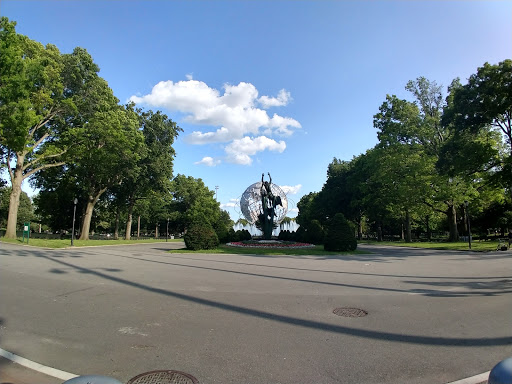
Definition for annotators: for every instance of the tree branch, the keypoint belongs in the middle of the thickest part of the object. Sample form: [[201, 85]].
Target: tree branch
[[42, 158], [42, 167], [36, 144], [8, 162], [50, 116], [433, 207]]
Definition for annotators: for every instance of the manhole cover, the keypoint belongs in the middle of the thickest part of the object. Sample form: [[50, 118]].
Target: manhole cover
[[163, 377], [349, 312]]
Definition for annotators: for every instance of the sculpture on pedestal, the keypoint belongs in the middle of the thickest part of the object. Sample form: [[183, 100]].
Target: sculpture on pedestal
[[265, 204]]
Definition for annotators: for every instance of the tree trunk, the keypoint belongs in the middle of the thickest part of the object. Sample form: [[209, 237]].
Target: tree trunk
[[138, 228], [429, 232], [379, 232], [359, 229], [408, 236], [86, 224], [452, 223], [128, 234], [116, 230], [14, 200], [156, 231]]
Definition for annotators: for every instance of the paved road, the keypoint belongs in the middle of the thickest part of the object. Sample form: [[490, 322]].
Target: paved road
[[433, 316]]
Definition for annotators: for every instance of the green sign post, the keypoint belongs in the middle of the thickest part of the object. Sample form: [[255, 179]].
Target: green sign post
[[26, 232]]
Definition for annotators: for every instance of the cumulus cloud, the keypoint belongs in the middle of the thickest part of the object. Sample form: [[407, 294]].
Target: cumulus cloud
[[241, 150], [283, 98], [291, 190], [208, 161], [236, 114]]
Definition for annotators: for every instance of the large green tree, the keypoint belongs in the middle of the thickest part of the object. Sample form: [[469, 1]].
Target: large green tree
[[192, 201], [32, 98], [476, 111], [155, 164], [417, 125], [107, 156], [46, 98]]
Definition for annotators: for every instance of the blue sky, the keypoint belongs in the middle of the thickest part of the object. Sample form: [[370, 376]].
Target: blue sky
[[270, 86]]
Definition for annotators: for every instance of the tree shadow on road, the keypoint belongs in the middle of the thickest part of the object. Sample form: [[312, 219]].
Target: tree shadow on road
[[303, 323]]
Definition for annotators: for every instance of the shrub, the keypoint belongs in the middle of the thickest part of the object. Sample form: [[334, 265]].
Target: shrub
[[201, 236], [233, 236], [340, 235], [284, 235], [244, 234]]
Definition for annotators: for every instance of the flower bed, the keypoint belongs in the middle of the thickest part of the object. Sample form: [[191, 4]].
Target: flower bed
[[269, 244]]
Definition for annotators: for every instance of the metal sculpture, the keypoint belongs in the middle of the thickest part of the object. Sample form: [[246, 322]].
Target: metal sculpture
[[264, 204]]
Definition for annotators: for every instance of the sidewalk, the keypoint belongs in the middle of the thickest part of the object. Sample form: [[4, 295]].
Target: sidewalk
[[13, 373]]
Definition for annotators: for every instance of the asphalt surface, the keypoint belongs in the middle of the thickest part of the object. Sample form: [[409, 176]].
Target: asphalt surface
[[433, 316]]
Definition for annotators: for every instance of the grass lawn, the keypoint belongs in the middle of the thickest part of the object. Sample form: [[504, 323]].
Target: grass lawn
[[318, 250], [57, 243], [477, 246]]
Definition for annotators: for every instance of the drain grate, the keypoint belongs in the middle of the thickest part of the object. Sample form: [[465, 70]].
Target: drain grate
[[349, 312], [163, 377]]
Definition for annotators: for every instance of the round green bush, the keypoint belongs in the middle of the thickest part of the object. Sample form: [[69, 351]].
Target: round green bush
[[340, 235], [201, 236]]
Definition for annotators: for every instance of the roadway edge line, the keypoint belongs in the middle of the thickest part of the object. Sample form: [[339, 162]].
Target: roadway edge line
[[36, 366], [473, 379]]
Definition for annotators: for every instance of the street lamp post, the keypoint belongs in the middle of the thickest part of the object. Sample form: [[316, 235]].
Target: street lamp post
[[466, 203], [74, 215], [167, 237]]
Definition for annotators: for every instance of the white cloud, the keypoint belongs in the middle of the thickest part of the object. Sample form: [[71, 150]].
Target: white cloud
[[283, 98], [291, 190], [234, 113], [208, 161], [241, 150], [228, 205]]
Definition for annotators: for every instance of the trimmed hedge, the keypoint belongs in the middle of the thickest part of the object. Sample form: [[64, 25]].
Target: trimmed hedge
[[340, 235], [201, 236]]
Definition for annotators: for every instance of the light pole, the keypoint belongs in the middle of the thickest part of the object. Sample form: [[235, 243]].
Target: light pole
[[466, 203], [74, 214], [167, 237]]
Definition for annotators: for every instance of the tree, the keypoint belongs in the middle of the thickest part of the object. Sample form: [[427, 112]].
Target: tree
[[485, 100], [107, 156], [33, 98], [191, 202], [307, 209], [476, 111], [222, 226], [418, 126], [155, 164]]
